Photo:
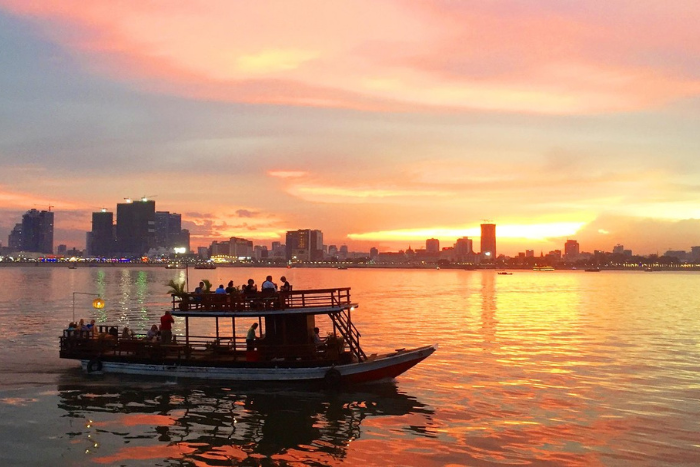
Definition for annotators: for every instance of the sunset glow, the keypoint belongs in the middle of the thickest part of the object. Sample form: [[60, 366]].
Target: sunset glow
[[375, 122]]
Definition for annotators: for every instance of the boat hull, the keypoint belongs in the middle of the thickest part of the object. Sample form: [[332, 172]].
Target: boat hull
[[377, 368]]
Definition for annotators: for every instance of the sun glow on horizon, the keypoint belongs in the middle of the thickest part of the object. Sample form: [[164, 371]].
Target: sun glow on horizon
[[511, 231]]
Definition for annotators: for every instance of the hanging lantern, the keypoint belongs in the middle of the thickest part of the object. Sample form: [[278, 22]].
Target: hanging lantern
[[98, 303]]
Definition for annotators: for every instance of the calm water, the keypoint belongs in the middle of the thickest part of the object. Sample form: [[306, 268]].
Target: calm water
[[537, 368]]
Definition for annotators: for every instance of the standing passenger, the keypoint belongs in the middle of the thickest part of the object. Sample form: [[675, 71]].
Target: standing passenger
[[166, 323], [250, 337]]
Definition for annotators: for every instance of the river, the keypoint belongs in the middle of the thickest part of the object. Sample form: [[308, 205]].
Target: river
[[533, 368]]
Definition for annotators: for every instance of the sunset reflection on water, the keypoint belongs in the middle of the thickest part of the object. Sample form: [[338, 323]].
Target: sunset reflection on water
[[538, 368]]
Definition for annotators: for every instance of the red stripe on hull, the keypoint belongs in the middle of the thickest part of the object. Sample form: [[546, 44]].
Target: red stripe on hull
[[381, 373]]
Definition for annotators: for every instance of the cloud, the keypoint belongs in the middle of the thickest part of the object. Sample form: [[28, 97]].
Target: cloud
[[287, 173]]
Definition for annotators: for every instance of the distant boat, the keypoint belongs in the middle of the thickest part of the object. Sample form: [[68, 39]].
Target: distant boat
[[505, 273], [543, 268], [342, 267], [592, 269], [205, 266], [175, 266]]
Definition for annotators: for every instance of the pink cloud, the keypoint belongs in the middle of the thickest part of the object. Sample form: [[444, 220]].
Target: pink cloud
[[388, 56]]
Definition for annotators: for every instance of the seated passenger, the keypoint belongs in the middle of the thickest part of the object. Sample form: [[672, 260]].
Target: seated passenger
[[220, 290], [231, 289], [268, 285], [250, 288], [127, 333], [153, 333], [113, 331], [286, 286], [318, 342]]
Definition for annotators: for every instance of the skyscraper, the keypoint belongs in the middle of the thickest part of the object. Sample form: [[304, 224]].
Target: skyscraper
[[432, 246], [136, 228], [168, 229], [102, 240], [571, 250], [37, 231], [304, 245], [488, 242]]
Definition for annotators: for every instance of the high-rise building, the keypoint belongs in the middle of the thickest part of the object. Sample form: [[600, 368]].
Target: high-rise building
[[37, 231], [432, 246], [529, 253], [304, 245], [136, 229], [373, 253], [571, 250], [463, 248], [168, 229], [102, 240], [488, 242], [618, 249], [14, 240]]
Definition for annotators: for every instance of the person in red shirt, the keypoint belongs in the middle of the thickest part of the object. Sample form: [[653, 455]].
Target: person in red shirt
[[166, 326]]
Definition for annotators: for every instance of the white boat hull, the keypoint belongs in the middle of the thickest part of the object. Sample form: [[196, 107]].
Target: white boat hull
[[373, 369]]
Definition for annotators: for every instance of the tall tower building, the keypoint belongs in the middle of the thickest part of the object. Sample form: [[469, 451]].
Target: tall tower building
[[463, 248], [168, 229], [136, 229], [571, 250], [304, 245], [488, 242], [37, 231], [432, 246], [14, 240], [102, 241]]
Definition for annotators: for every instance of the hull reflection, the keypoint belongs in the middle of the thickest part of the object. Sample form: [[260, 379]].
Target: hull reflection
[[207, 425]]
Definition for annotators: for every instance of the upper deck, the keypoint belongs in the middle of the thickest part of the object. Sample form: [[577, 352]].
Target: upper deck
[[316, 301]]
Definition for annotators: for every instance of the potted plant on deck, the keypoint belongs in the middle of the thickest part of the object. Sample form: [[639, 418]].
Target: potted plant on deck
[[177, 289]]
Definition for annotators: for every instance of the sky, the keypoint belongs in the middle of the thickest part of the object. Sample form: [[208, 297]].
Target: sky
[[380, 123]]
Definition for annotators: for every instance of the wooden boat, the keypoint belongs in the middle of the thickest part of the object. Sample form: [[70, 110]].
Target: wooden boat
[[284, 351]]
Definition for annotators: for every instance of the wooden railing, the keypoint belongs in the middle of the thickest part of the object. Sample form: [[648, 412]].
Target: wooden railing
[[262, 300]]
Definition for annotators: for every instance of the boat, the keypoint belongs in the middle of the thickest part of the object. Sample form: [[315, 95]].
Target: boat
[[284, 349], [205, 266], [505, 273], [175, 266], [543, 268], [592, 270]]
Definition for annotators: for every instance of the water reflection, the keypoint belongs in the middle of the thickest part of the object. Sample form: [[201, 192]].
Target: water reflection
[[205, 425]]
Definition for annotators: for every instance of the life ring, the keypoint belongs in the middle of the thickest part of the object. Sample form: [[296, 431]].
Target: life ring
[[332, 378], [94, 365]]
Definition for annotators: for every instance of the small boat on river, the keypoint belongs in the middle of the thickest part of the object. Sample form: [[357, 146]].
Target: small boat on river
[[284, 349], [205, 266]]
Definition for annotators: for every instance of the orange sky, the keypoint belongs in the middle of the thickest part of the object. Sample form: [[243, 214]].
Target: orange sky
[[380, 123]]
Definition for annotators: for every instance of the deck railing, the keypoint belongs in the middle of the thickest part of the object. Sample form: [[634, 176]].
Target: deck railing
[[316, 298]]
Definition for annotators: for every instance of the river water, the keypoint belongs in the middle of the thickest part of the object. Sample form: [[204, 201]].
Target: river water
[[533, 368]]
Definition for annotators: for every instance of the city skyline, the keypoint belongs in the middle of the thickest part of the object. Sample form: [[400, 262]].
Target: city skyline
[[379, 124]]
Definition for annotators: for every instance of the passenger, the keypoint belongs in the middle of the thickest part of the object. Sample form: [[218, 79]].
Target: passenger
[[152, 334], [251, 288], [230, 289], [268, 285], [82, 326], [166, 323], [113, 331], [250, 337], [220, 290], [286, 286], [318, 342], [199, 290], [72, 326]]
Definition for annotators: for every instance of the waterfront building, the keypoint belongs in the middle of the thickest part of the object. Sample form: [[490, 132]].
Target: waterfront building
[[529, 253], [571, 250], [102, 240], [14, 240], [37, 232], [304, 245], [488, 242], [618, 249], [168, 229], [432, 246], [136, 230], [373, 253], [343, 252]]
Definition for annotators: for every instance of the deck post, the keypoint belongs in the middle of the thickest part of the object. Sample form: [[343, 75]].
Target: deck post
[[233, 332], [187, 331], [217, 330]]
